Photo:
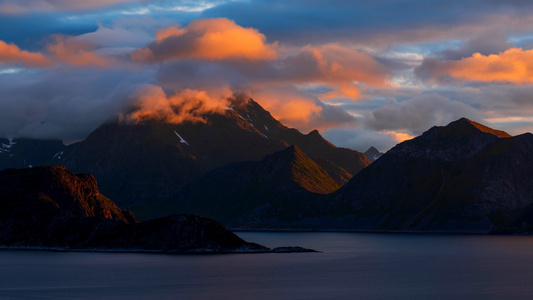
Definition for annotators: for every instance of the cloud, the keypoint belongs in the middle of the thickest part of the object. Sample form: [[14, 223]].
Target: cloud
[[342, 67], [80, 54], [209, 39], [376, 24], [190, 84], [342, 70], [27, 6], [64, 102], [63, 49], [486, 43], [361, 139], [12, 54], [513, 66], [298, 109], [151, 102], [396, 122], [418, 114], [280, 85], [117, 36], [277, 83]]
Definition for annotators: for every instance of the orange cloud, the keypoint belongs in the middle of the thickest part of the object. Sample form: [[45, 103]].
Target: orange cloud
[[398, 137], [339, 63], [151, 102], [164, 33], [344, 69], [299, 110], [289, 108], [78, 53], [11, 53], [209, 39], [513, 66]]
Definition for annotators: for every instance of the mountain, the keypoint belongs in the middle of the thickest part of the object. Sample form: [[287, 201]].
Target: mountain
[[463, 177], [340, 163], [372, 154], [259, 194], [25, 153], [45, 191], [142, 166], [51, 207]]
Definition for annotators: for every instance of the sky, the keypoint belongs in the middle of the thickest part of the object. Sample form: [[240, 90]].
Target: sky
[[364, 73]]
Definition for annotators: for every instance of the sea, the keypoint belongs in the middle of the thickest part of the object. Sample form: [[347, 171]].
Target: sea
[[348, 266]]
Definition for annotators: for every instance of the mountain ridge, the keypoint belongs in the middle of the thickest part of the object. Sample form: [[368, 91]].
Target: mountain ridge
[[456, 178], [142, 166]]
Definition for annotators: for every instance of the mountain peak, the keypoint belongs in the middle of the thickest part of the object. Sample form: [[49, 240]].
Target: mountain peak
[[291, 154], [467, 123], [461, 139], [303, 170], [372, 154], [314, 133]]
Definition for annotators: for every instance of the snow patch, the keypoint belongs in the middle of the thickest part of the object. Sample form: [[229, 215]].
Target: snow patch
[[181, 139], [58, 154], [231, 108], [240, 116], [8, 146]]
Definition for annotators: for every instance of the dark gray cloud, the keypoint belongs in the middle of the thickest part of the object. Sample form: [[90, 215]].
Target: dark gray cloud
[[418, 114], [63, 103], [390, 124], [492, 42]]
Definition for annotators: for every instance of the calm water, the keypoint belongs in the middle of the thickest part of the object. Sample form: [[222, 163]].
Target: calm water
[[351, 266]]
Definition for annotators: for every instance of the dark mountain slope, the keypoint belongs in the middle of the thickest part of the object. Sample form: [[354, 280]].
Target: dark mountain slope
[[461, 177], [495, 188], [281, 187]]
